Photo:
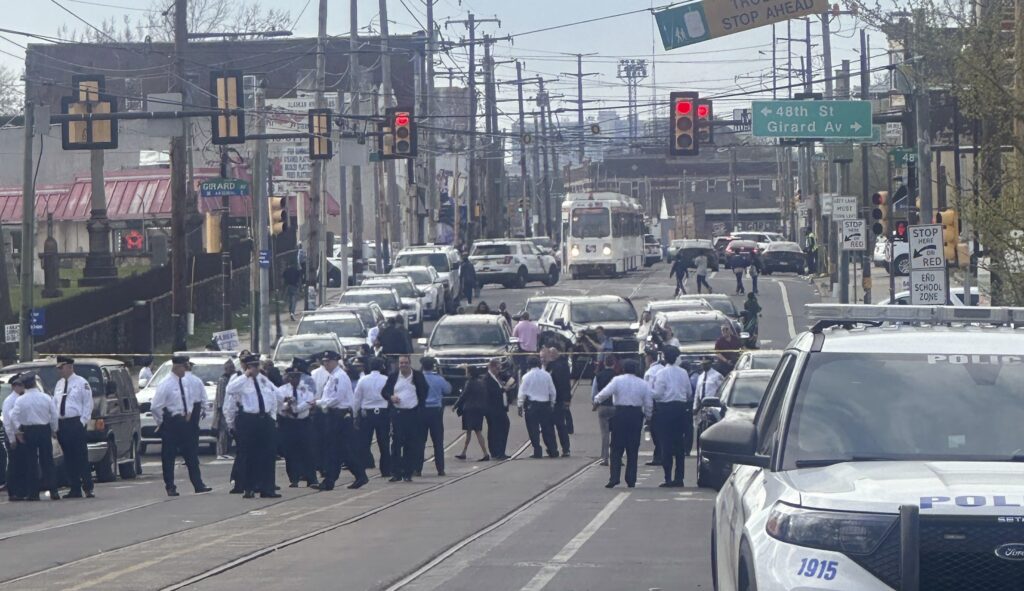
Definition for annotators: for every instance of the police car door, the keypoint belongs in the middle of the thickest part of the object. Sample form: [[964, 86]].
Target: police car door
[[534, 264]]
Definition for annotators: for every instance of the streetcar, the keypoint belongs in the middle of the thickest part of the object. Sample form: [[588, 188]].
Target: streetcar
[[604, 234]]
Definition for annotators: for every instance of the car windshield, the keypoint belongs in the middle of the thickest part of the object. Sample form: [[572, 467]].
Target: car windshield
[[543, 242], [723, 305], [678, 305], [419, 276], [437, 260], [343, 327], [404, 288], [383, 299], [762, 361], [208, 372], [747, 391], [917, 407], [783, 247], [696, 331], [462, 335], [535, 308], [492, 250], [592, 222], [598, 312], [305, 348]]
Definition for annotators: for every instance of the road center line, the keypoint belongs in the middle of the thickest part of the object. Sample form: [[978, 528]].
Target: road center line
[[541, 579], [789, 310]]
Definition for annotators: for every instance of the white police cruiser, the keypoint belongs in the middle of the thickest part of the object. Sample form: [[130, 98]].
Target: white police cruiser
[[888, 453]]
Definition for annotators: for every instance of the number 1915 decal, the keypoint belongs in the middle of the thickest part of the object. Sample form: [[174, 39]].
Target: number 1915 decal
[[820, 569]]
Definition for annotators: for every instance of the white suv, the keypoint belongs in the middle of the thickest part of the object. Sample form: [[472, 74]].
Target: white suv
[[512, 263], [887, 454]]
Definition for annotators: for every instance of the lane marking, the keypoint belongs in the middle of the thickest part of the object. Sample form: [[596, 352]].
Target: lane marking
[[789, 310], [541, 579]]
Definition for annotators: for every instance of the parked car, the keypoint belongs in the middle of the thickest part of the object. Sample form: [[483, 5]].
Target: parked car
[[721, 302], [737, 399], [428, 281], [369, 313], [696, 330], [763, 239], [409, 295], [745, 248], [512, 263], [305, 346], [783, 257], [652, 250], [689, 250], [535, 306], [115, 432], [208, 366], [759, 359], [469, 340], [880, 257], [652, 308], [549, 246], [344, 324], [720, 243], [386, 297], [566, 320], [444, 259]]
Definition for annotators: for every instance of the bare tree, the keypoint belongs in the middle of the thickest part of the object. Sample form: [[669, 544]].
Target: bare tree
[[12, 94]]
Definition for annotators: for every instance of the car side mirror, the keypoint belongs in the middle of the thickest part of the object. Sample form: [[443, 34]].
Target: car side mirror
[[733, 442], [560, 322], [142, 383], [744, 335], [711, 402], [635, 326], [421, 342], [513, 341], [111, 389]]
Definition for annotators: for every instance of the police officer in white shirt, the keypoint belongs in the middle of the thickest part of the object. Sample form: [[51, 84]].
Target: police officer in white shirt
[[672, 417], [319, 376], [178, 404], [250, 409], [707, 384], [74, 403], [341, 442], [406, 389], [374, 418], [537, 397], [654, 366], [16, 471], [297, 397], [633, 401], [35, 417]]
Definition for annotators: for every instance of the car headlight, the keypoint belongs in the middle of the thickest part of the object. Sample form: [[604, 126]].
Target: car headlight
[[575, 251], [607, 250], [849, 533]]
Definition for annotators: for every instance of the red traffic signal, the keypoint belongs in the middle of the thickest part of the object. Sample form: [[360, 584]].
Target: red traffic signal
[[402, 119], [401, 127], [683, 139], [684, 107], [703, 110]]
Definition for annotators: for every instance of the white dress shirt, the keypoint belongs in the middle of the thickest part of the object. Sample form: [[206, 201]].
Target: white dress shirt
[[536, 386], [34, 408], [301, 399], [672, 384], [628, 390], [338, 391], [168, 396], [707, 385], [652, 372], [145, 374], [371, 336], [405, 389], [320, 376], [79, 398], [368, 392], [241, 390], [7, 412]]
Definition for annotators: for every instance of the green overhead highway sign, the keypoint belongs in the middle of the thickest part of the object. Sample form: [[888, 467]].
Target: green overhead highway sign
[[812, 119], [699, 21]]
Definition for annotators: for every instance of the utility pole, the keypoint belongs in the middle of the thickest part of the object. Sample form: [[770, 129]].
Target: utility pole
[[490, 206], [732, 187], [395, 213], [343, 207], [317, 247], [179, 189], [433, 196], [260, 232], [7, 351], [542, 102], [865, 166], [923, 141], [28, 218], [524, 197], [354, 87], [580, 75], [536, 176], [225, 250]]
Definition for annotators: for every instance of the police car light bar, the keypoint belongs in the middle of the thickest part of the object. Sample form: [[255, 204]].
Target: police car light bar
[[840, 313]]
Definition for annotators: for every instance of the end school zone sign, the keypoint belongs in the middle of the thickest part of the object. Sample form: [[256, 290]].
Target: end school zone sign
[[692, 23]]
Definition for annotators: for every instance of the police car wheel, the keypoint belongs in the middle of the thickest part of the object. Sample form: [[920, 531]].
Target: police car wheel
[[746, 578], [714, 554]]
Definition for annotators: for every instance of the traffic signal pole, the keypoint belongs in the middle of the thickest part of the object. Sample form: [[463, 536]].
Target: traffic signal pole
[[179, 189], [225, 255], [865, 170]]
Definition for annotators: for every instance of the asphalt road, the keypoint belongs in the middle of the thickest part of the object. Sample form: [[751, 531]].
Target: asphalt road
[[521, 524]]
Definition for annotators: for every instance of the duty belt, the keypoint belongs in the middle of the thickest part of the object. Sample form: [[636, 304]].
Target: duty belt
[[375, 411]]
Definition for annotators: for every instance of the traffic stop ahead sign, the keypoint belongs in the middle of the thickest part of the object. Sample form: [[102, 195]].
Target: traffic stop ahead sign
[[854, 234], [929, 284]]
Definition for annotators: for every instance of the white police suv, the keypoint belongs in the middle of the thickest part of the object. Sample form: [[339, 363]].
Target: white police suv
[[888, 453]]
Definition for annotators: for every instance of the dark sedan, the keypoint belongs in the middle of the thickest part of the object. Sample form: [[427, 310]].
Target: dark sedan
[[737, 400], [744, 248], [783, 257]]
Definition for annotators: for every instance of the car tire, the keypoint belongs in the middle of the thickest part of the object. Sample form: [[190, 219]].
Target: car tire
[[417, 331], [746, 578], [522, 277], [106, 469], [142, 449], [127, 471], [552, 277], [714, 554], [902, 265]]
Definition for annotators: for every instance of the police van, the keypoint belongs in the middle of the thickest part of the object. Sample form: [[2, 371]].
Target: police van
[[888, 453]]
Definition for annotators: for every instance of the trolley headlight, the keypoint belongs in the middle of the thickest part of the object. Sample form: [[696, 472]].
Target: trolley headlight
[[607, 250], [575, 251], [849, 533]]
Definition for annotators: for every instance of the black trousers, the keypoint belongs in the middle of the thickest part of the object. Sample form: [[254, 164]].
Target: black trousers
[[540, 423], [17, 471], [433, 427], [670, 421], [72, 438], [178, 437], [38, 458], [497, 431], [406, 441], [688, 430], [257, 446], [341, 446], [297, 437], [376, 422], [655, 439], [626, 426], [562, 421]]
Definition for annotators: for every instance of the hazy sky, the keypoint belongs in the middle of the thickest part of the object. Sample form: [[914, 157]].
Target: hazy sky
[[727, 65]]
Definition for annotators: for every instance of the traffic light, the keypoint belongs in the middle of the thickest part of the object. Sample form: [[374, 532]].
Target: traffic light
[[902, 226], [227, 95], [950, 233], [88, 98], [705, 114], [320, 145], [400, 133], [211, 232], [880, 213], [684, 139], [278, 208]]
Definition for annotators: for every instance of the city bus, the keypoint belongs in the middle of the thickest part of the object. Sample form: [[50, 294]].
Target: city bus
[[603, 234]]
